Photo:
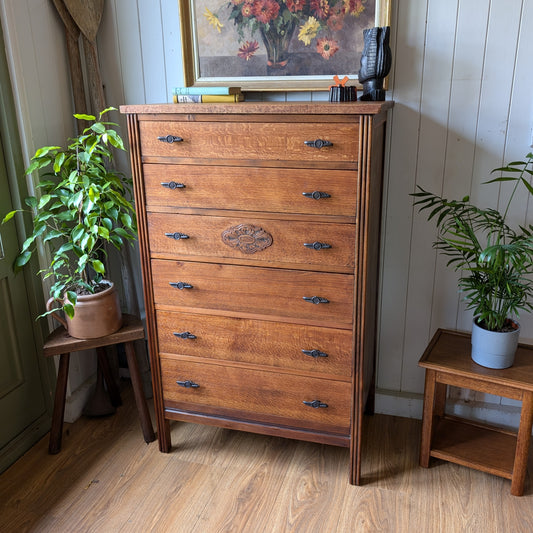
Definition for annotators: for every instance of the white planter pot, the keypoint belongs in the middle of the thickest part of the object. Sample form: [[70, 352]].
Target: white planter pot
[[494, 349]]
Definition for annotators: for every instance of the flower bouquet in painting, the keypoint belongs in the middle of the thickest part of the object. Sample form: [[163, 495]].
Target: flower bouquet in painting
[[270, 26]]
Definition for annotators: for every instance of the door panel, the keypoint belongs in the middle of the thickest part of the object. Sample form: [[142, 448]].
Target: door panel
[[22, 399]]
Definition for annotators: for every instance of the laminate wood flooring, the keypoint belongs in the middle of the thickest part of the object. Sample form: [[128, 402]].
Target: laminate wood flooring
[[107, 479]]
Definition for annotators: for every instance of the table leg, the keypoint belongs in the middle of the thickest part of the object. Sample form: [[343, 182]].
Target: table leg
[[440, 399], [140, 399], [522, 445], [428, 417], [58, 414]]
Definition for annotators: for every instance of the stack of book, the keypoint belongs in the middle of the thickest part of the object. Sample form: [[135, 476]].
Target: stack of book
[[207, 94]]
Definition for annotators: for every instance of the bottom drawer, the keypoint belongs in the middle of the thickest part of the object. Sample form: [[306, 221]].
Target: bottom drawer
[[256, 395]]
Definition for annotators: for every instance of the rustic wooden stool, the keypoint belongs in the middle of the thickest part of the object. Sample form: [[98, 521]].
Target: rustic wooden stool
[[59, 342]]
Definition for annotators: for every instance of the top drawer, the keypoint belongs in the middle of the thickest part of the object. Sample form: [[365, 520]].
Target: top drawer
[[253, 141]]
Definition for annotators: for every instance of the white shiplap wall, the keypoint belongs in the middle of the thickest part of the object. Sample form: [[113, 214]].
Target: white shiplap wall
[[461, 82]]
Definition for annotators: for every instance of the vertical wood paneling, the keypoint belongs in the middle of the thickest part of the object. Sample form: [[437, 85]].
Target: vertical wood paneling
[[404, 131], [125, 15], [434, 110], [494, 104], [466, 77], [152, 46], [172, 46], [520, 128]]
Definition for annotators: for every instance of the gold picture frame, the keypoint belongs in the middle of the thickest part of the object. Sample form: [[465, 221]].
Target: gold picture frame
[[221, 47]]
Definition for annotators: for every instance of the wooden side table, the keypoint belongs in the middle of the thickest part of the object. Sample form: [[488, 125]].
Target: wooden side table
[[497, 451], [59, 342]]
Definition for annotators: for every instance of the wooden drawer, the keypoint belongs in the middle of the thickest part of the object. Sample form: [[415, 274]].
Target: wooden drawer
[[278, 242], [275, 344], [255, 291], [279, 190], [250, 141], [256, 395]]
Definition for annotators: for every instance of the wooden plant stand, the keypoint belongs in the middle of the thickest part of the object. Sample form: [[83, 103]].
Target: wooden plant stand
[[500, 452], [59, 342]]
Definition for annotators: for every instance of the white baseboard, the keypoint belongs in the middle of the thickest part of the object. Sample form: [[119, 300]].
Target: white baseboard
[[411, 406]]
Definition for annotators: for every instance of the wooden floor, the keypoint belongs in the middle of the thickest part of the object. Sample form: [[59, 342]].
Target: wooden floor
[[106, 479]]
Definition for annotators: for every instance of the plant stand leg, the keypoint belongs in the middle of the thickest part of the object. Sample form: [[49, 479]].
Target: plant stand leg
[[59, 405]]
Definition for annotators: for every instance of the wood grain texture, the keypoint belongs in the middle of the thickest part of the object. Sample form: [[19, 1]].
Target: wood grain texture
[[287, 239], [281, 189], [246, 290], [107, 479], [260, 342], [256, 395], [249, 140]]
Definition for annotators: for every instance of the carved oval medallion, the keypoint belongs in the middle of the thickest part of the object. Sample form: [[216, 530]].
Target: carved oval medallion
[[247, 238]]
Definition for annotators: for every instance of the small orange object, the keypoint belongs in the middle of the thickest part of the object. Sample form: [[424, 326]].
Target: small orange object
[[338, 82]]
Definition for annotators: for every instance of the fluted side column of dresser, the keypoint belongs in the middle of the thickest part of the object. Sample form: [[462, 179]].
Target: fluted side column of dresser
[[259, 239]]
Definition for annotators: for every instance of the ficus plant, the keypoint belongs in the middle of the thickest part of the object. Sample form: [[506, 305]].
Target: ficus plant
[[83, 206], [495, 260]]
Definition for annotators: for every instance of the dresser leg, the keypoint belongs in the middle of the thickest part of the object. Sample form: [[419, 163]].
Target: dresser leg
[[164, 438], [140, 399]]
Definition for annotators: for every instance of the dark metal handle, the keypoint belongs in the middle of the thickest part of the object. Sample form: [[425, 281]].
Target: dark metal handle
[[316, 195], [180, 285], [318, 143], [170, 139], [316, 300], [188, 384], [315, 353], [176, 235], [173, 185], [316, 404], [184, 335], [317, 245]]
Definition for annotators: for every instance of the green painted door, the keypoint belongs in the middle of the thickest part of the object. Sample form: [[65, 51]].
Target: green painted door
[[22, 395]]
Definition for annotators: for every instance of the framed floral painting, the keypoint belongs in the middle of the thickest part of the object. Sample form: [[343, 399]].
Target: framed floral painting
[[275, 44]]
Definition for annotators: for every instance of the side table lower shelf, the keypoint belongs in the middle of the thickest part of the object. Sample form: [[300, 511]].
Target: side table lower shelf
[[484, 448]]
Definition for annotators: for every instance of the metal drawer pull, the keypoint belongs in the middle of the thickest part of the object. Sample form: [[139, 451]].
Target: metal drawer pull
[[318, 143], [316, 404], [170, 139], [176, 235], [184, 335], [173, 185], [180, 285], [315, 353], [317, 245], [316, 195], [188, 384], [316, 300]]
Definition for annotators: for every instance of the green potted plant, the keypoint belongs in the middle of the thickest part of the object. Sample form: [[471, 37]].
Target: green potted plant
[[495, 263], [83, 206]]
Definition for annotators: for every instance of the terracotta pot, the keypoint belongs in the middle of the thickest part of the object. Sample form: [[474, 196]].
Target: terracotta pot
[[95, 315]]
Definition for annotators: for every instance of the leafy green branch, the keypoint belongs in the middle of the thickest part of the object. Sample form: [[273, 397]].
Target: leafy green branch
[[495, 260]]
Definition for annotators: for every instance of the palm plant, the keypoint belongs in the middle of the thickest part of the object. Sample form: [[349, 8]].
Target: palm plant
[[495, 260]]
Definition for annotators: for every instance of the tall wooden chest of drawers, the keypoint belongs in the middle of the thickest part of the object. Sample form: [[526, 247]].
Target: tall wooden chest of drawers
[[259, 238]]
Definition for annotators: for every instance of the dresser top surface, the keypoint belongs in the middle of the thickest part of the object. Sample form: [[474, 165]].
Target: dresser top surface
[[310, 108]]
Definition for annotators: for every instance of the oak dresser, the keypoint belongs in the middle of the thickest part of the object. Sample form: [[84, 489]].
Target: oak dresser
[[259, 239]]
